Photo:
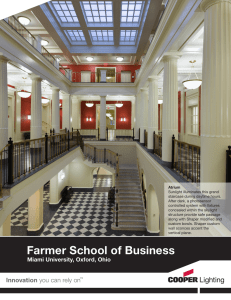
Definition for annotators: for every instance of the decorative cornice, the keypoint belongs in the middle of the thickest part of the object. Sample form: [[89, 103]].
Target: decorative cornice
[[205, 4]]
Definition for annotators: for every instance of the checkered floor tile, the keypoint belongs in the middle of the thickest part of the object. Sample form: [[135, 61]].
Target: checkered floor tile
[[20, 216], [102, 181], [84, 215]]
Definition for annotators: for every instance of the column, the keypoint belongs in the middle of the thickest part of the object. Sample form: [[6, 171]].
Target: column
[[55, 110], [170, 105], [216, 90], [67, 112], [143, 113], [133, 114], [136, 125], [36, 108], [152, 110], [3, 103], [103, 118], [103, 75], [54, 191], [18, 135], [5, 229], [35, 213]]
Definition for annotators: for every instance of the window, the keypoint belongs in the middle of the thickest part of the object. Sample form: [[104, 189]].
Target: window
[[99, 12], [65, 11], [76, 35], [128, 37], [131, 12], [102, 37], [194, 120]]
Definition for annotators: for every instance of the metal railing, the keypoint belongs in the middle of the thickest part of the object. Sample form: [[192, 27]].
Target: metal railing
[[143, 191], [89, 133], [145, 138], [186, 160], [107, 156], [30, 38], [21, 158], [93, 77], [157, 144]]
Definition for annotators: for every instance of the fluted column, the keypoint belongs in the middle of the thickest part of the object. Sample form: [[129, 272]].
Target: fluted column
[[137, 124], [216, 90], [152, 110], [3, 103], [103, 118], [170, 105], [36, 108], [143, 113], [67, 112], [55, 110]]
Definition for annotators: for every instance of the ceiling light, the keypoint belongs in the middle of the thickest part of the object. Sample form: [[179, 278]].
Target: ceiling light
[[44, 42], [24, 20], [192, 83], [90, 58], [45, 101], [89, 104], [119, 104], [120, 58], [24, 94], [160, 101]]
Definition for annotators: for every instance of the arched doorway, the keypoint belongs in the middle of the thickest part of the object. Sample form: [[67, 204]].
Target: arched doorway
[[153, 213]]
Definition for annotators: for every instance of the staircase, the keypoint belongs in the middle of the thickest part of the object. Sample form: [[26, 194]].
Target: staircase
[[130, 215]]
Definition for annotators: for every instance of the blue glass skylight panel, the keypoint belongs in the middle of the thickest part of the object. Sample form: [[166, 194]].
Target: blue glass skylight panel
[[65, 11], [128, 37], [98, 11], [76, 35], [103, 36], [131, 11]]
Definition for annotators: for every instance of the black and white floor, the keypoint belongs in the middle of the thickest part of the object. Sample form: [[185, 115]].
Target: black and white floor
[[86, 214]]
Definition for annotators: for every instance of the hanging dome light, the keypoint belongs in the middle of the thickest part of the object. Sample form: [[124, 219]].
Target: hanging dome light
[[192, 83], [89, 104], [45, 101], [24, 94], [119, 104]]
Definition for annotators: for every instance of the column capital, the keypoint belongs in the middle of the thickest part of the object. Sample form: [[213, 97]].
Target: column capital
[[205, 4], [35, 77], [4, 58], [174, 55], [54, 88], [144, 89], [153, 78]]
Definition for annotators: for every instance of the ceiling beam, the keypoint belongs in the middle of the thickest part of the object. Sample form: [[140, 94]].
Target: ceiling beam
[[116, 20], [82, 22]]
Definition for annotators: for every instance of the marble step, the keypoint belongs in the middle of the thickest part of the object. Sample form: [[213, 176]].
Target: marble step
[[130, 213], [129, 227], [131, 217], [132, 223]]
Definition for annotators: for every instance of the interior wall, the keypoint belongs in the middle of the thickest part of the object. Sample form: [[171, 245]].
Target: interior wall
[[80, 175], [123, 112], [76, 71]]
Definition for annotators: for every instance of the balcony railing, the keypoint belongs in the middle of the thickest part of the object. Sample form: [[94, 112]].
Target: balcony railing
[[22, 158], [157, 144], [20, 29], [186, 160], [115, 77]]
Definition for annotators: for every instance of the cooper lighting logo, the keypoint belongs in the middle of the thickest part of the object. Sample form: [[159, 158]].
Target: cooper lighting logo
[[184, 278]]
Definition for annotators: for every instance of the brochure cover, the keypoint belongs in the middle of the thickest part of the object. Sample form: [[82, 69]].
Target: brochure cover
[[115, 149]]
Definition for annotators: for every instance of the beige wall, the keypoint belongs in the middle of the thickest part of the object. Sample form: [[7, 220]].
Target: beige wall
[[80, 175]]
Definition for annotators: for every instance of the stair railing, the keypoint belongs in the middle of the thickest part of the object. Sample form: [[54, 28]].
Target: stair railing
[[143, 198]]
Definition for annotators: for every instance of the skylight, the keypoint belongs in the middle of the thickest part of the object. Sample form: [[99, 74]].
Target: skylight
[[99, 12], [102, 37], [65, 11], [76, 37], [128, 37], [131, 12]]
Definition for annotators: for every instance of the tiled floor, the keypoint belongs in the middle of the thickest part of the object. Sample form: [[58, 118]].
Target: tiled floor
[[86, 214]]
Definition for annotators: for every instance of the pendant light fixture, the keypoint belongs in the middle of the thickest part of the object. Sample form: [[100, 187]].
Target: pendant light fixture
[[119, 104], [89, 104], [192, 82], [22, 93]]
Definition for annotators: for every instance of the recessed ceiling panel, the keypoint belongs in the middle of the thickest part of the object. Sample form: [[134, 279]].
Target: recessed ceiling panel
[[128, 37], [131, 13], [102, 37], [64, 12]]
